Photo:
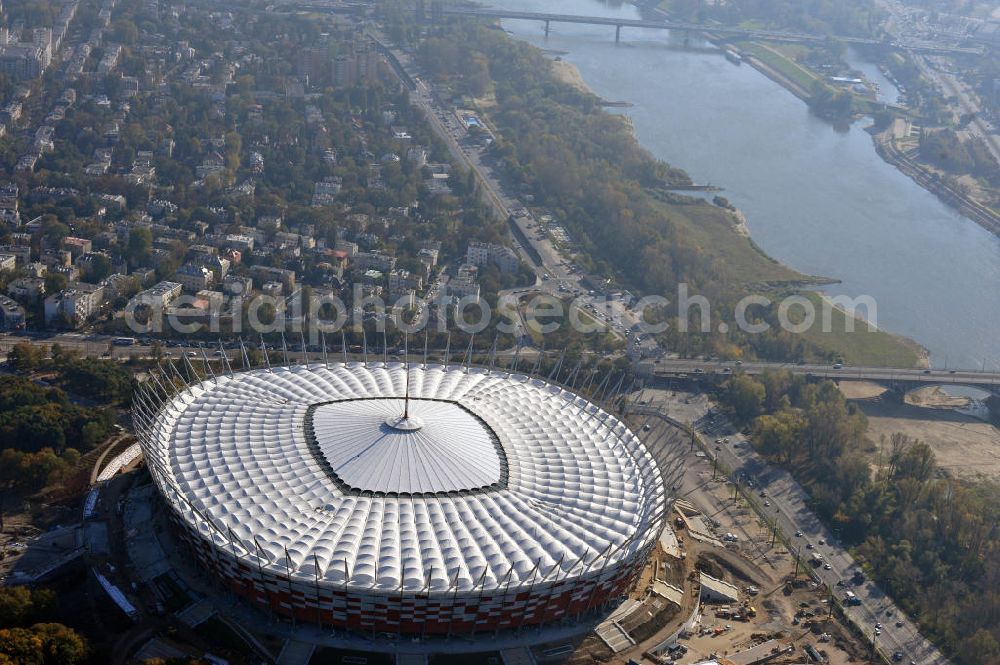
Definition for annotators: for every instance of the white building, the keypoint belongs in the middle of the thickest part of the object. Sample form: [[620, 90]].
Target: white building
[[160, 295], [483, 254], [74, 305]]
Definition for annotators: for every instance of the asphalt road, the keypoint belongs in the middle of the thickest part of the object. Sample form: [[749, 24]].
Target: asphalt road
[[787, 504], [554, 274], [673, 367]]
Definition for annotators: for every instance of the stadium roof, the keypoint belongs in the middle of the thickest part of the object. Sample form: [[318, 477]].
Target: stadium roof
[[439, 447], [496, 479]]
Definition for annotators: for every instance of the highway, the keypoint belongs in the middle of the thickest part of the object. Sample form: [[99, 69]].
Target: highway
[[778, 497], [665, 367], [554, 272]]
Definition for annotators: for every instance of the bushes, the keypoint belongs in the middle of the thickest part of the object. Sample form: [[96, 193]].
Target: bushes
[[40, 643], [34, 417], [931, 541]]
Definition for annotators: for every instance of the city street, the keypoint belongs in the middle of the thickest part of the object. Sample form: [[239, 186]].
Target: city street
[[786, 502]]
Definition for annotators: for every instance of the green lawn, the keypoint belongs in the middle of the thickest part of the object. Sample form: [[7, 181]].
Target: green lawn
[[861, 347], [782, 64], [742, 262]]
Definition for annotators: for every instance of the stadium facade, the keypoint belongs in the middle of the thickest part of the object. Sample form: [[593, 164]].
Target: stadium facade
[[409, 499]]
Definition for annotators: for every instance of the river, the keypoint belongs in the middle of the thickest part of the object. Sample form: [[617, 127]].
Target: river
[[818, 199]]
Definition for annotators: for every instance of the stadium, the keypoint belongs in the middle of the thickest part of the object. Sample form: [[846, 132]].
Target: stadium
[[409, 499]]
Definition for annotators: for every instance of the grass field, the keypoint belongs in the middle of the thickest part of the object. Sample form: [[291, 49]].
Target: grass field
[[781, 63], [712, 228], [863, 346]]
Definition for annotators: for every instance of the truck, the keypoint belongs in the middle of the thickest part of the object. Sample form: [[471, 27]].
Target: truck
[[851, 599]]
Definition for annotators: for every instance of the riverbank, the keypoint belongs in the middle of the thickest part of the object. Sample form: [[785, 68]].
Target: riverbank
[[877, 347], [848, 336], [964, 204], [980, 214], [568, 73]]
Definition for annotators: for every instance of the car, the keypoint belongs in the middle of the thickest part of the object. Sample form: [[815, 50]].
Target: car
[[798, 534], [878, 631], [897, 656], [767, 504], [810, 546], [827, 566], [698, 370], [822, 542], [838, 365], [899, 624]]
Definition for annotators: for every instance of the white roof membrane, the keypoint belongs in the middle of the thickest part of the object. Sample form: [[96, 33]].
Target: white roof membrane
[[506, 480], [447, 450]]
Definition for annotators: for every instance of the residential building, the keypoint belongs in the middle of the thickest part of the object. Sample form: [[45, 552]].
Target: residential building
[[374, 260], [266, 274], [78, 246], [483, 254], [22, 252], [26, 288], [159, 295], [11, 314], [193, 277], [403, 280], [73, 306], [465, 284], [22, 61], [326, 191], [236, 285]]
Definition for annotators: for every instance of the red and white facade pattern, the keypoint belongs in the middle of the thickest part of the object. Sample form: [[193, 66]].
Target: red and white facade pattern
[[442, 613]]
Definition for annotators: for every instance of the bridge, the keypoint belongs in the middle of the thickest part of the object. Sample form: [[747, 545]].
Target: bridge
[[746, 33], [670, 368]]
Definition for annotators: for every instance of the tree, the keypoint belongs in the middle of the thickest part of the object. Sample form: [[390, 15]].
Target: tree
[[61, 645], [43, 644], [55, 282], [140, 244], [745, 398], [54, 231], [100, 267], [20, 605], [778, 436], [26, 357]]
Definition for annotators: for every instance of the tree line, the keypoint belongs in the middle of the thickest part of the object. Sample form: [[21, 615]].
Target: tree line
[[930, 540]]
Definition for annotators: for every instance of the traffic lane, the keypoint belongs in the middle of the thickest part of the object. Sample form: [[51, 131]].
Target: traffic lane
[[874, 601], [788, 501]]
